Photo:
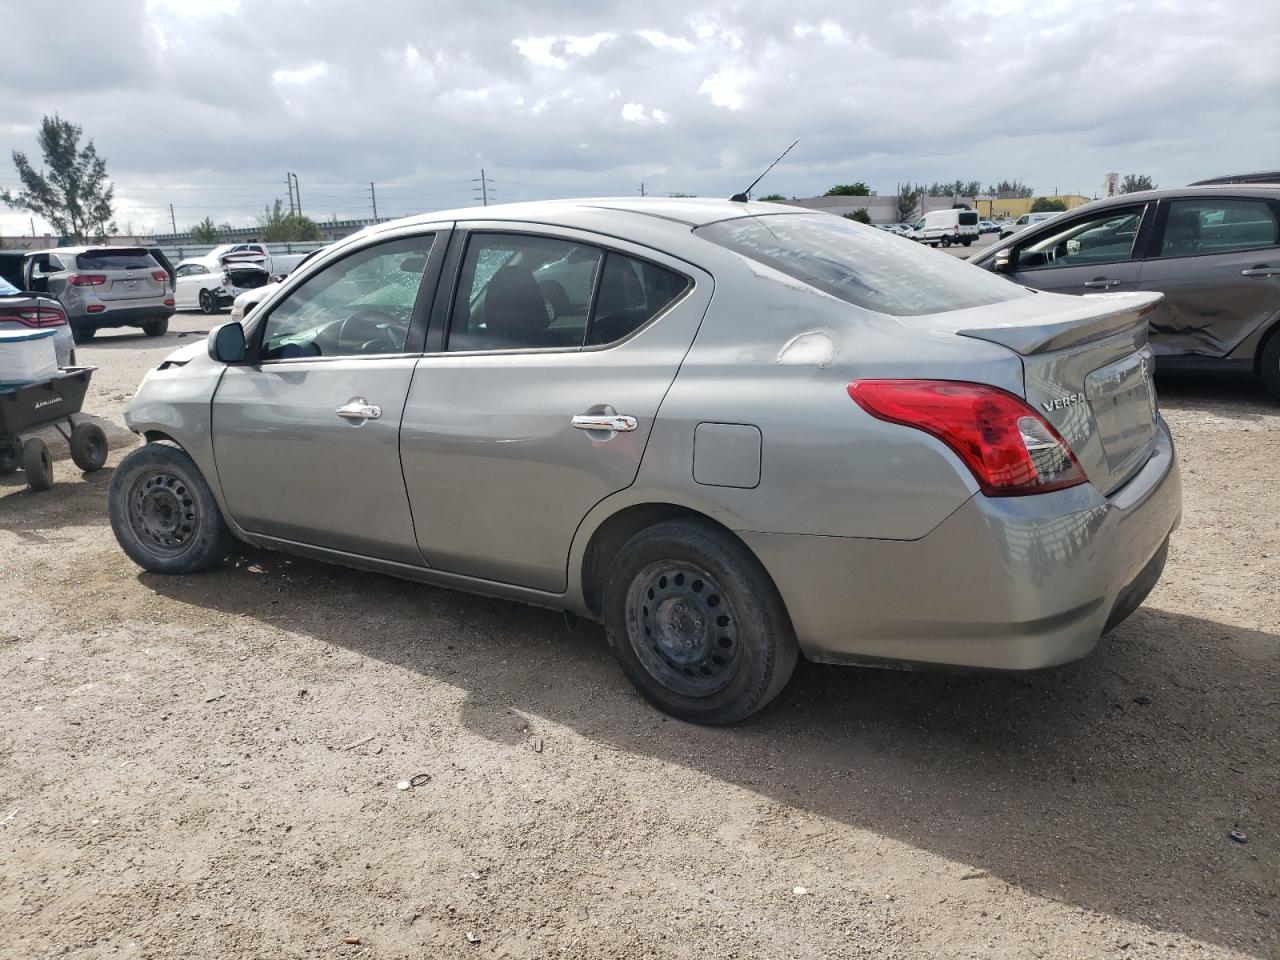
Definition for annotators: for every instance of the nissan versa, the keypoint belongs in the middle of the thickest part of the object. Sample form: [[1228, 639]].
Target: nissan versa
[[734, 433]]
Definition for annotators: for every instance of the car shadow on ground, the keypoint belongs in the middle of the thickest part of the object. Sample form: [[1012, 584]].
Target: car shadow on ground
[[1213, 393], [1111, 784], [135, 339]]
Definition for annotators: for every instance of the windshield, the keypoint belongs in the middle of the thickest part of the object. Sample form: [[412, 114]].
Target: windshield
[[861, 265]]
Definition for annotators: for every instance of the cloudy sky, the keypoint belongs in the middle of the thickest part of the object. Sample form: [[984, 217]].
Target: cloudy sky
[[206, 104]]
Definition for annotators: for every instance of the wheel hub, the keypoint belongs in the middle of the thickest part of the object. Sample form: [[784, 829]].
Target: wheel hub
[[683, 628], [163, 512]]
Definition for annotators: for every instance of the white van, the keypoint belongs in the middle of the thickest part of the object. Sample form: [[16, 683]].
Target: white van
[[946, 227], [1026, 220]]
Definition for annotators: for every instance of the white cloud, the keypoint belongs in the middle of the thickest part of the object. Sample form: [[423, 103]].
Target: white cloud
[[724, 87], [665, 42], [303, 75], [634, 113]]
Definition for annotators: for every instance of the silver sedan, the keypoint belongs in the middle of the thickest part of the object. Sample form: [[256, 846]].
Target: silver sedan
[[735, 434]]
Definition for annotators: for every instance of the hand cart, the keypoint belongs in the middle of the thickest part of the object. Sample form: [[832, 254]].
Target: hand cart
[[45, 402]]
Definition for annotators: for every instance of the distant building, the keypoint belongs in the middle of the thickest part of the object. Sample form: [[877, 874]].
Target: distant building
[[1011, 209]]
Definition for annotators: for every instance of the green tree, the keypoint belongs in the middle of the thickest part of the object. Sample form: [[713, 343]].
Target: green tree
[[1010, 190], [858, 189], [1048, 205], [74, 196], [206, 231], [1133, 182], [276, 226], [862, 215], [773, 198], [682, 194], [908, 202]]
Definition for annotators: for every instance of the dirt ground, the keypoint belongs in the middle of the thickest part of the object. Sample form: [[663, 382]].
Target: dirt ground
[[206, 766]]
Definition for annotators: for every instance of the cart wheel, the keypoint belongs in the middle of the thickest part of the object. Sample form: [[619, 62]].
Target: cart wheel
[[10, 455], [88, 446], [37, 464]]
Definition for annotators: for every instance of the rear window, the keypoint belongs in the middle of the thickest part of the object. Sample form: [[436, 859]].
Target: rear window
[[861, 265], [968, 219], [116, 260]]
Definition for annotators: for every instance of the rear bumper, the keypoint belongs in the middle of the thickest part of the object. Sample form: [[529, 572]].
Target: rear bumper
[[120, 317], [1015, 583]]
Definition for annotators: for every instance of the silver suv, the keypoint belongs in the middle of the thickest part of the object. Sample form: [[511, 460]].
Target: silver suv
[[104, 287]]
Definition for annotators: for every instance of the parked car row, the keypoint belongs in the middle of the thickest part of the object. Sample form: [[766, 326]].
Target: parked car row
[[212, 282], [98, 287]]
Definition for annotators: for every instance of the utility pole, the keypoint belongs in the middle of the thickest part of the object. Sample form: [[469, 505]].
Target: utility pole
[[33, 228], [484, 186], [173, 220], [288, 185], [642, 188], [297, 192], [373, 196]]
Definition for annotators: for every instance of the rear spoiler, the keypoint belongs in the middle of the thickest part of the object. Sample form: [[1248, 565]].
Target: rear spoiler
[[250, 257], [1097, 317]]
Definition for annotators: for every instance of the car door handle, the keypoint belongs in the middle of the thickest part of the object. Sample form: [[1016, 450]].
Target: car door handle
[[1103, 282], [616, 423], [1260, 270], [359, 409]]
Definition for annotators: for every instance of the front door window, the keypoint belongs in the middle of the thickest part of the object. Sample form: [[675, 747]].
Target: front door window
[[1103, 238]]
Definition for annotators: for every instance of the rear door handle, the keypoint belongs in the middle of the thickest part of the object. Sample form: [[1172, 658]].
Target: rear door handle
[[1103, 282], [616, 423], [358, 410], [1260, 270]]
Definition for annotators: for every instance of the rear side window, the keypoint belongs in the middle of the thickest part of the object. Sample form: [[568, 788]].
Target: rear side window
[[968, 219], [861, 265], [524, 292], [1212, 225], [632, 292], [116, 260]]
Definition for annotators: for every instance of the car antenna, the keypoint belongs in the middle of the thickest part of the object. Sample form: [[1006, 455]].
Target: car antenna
[[742, 197]]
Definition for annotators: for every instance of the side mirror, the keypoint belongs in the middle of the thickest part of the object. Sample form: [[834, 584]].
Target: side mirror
[[1002, 262], [227, 343]]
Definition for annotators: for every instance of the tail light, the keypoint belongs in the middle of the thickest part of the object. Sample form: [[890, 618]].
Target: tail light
[[1010, 449], [87, 279], [159, 276], [36, 316], [96, 308], [168, 301]]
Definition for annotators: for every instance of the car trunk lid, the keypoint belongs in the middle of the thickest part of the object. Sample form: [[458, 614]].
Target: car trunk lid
[[128, 271], [1087, 369]]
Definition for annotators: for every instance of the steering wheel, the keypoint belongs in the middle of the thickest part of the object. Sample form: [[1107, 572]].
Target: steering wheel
[[374, 331]]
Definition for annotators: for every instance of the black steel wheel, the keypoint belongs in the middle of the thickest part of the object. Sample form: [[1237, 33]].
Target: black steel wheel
[[88, 447], [208, 302], [37, 464], [683, 628], [163, 513], [696, 623], [10, 455]]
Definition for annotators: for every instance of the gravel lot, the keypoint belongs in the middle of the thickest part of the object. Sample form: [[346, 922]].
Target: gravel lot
[[206, 766]]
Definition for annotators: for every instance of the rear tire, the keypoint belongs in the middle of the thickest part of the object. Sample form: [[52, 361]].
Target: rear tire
[[156, 328], [88, 447], [37, 464], [1271, 365], [163, 513], [10, 455], [946, 241], [83, 334], [696, 624], [208, 303]]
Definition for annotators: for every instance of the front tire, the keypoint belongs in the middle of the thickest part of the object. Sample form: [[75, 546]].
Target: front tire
[[88, 447], [208, 302], [163, 513], [696, 624], [1271, 366], [156, 328]]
